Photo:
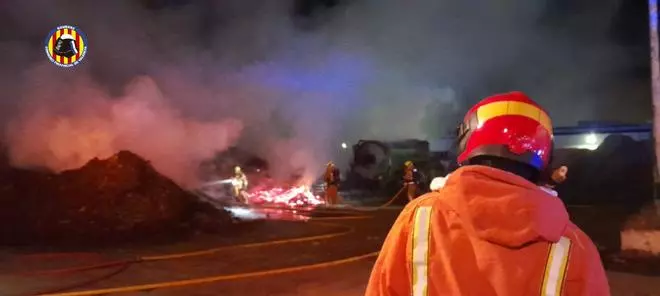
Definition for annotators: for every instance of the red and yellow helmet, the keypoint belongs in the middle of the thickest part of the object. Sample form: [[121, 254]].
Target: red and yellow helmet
[[510, 126]]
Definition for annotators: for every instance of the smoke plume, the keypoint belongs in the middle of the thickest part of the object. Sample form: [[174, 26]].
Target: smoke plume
[[179, 81]]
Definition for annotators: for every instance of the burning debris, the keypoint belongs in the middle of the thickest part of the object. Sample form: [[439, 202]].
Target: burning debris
[[265, 194], [119, 198], [249, 181], [299, 196]]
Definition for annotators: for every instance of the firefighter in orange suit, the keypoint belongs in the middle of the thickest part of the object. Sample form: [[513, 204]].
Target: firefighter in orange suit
[[331, 177], [491, 230], [410, 179]]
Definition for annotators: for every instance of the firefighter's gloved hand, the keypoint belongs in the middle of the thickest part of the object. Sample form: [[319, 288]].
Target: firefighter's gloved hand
[[549, 191], [438, 182], [559, 175]]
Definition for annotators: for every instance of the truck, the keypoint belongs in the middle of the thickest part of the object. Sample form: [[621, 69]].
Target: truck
[[377, 166]]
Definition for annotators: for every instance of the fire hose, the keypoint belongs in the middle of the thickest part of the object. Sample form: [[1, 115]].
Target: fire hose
[[121, 267], [380, 207], [392, 199], [205, 280], [125, 264]]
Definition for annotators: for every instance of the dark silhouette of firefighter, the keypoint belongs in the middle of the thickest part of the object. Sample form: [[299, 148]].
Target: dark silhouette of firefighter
[[332, 179], [239, 184], [557, 177], [410, 179], [65, 46]]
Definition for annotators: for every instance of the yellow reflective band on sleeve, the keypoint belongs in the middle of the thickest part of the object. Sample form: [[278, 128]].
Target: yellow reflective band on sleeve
[[420, 251], [496, 109], [555, 268]]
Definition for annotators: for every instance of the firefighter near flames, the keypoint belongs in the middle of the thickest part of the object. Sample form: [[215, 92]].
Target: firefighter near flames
[[239, 184], [410, 180], [331, 177]]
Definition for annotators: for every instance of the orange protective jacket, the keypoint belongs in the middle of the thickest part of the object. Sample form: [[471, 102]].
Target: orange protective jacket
[[487, 232], [409, 175]]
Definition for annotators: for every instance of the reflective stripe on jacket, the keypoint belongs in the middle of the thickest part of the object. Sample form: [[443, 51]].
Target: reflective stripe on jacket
[[487, 232]]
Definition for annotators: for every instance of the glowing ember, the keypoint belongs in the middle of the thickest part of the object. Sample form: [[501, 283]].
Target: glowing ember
[[299, 196]]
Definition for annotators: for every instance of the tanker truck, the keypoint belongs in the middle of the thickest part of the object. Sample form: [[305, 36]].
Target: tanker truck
[[377, 166]]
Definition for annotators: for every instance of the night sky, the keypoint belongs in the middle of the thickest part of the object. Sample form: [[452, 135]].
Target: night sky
[[626, 26]]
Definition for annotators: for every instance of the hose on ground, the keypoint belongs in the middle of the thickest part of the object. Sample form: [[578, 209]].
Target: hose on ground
[[120, 268], [124, 264]]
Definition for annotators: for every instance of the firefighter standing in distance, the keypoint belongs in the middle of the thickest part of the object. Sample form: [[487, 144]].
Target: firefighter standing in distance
[[558, 176], [410, 179], [491, 230], [239, 184], [331, 177]]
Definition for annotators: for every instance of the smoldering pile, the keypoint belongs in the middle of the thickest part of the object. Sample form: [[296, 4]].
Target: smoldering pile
[[121, 198], [618, 172], [608, 189]]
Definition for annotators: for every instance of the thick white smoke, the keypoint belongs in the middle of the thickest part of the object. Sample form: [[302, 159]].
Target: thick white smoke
[[177, 84], [86, 124]]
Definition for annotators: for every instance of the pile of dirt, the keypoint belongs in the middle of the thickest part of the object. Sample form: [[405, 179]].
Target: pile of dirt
[[119, 199], [632, 262], [620, 171], [607, 189], [603, 224], [646, 218]]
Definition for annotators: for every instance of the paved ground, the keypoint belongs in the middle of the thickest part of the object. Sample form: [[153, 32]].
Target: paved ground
[[348, 279]]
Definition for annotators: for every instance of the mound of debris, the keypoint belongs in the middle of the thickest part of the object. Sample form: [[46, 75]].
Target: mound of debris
[[122, 198], [607, 187], [620, 171]]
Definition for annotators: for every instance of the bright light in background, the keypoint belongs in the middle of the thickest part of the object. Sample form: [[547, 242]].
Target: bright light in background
[[591, 139], [590, 142], [344, 145]]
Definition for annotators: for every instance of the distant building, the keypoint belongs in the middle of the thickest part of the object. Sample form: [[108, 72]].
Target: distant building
[[589, 135]]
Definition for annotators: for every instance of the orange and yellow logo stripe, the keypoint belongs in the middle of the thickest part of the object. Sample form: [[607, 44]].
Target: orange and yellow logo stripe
[[496, 109]]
